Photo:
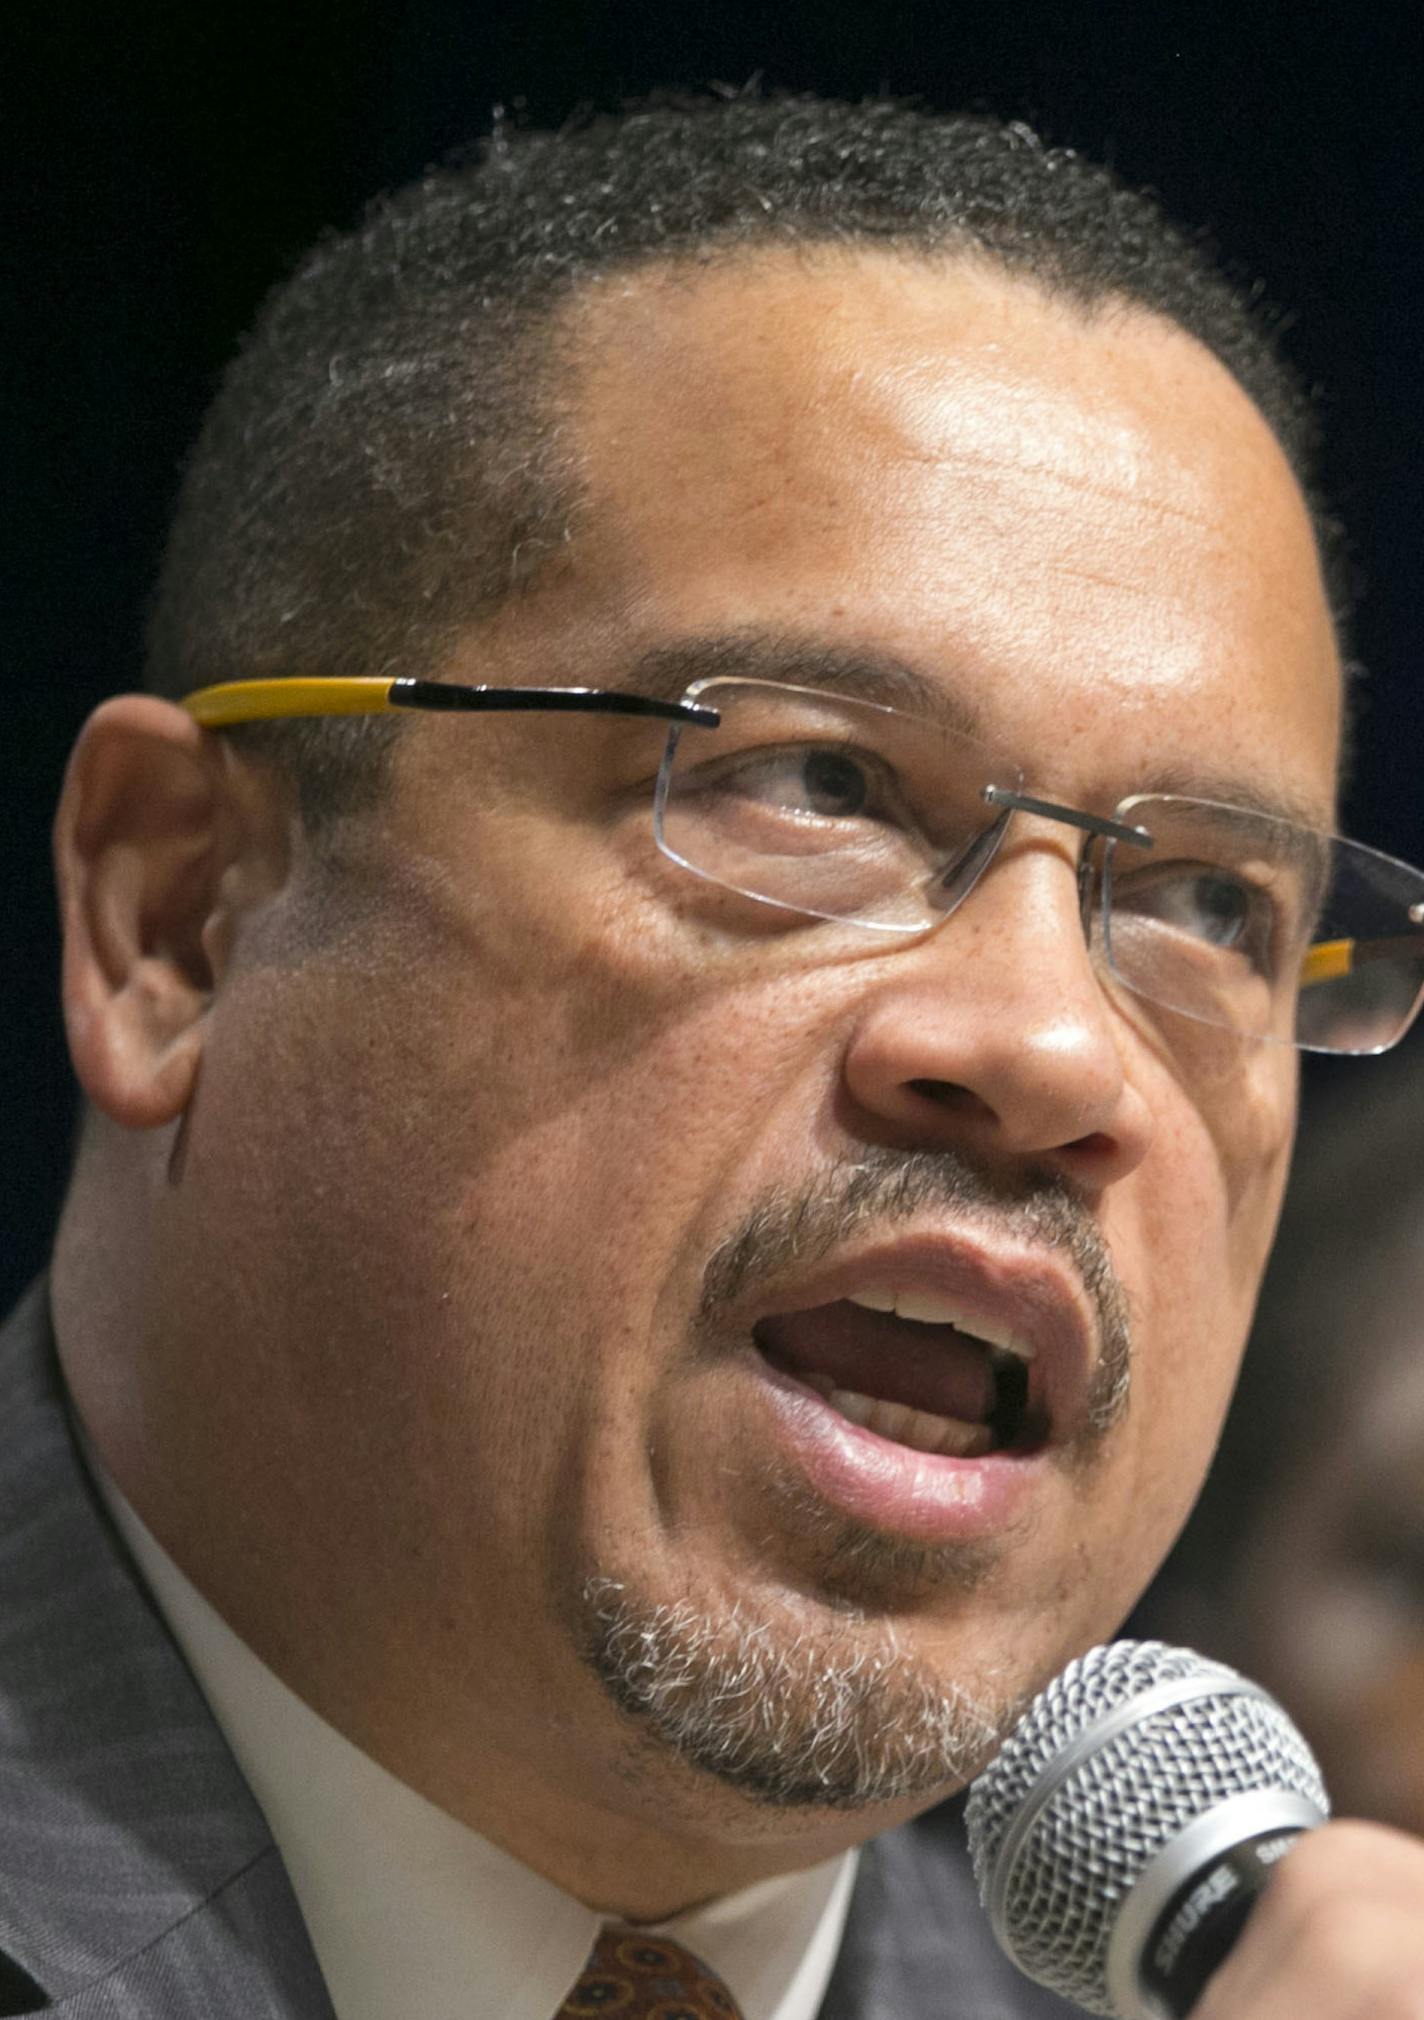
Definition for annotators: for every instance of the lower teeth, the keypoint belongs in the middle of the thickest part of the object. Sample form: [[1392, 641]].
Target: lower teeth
[[950, 1437]]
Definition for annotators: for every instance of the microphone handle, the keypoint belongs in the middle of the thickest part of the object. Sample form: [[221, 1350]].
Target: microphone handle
[[1202, 1919]]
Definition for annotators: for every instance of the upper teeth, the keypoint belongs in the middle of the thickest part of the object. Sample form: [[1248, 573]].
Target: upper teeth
[[927, 1309]]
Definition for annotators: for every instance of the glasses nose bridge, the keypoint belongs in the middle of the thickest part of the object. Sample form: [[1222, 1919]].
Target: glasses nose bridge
[[1095, 828]]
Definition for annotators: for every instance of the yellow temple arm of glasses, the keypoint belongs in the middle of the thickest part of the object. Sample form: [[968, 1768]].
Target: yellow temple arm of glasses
[[1327, 961], [267, 700], [235, 701]]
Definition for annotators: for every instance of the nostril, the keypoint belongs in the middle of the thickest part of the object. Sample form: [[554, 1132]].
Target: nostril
[[947, 1094]]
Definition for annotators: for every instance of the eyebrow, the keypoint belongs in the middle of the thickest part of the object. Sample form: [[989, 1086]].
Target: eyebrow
[[862, 674], [1240, 794], [1301, 848]]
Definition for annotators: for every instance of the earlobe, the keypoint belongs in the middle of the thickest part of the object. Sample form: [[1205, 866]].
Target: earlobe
[[143, 837]]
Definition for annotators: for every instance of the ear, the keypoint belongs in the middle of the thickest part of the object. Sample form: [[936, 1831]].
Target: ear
[[151, 840]]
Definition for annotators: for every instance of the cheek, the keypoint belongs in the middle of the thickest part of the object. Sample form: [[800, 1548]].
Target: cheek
[[1254, 1129], [651, 1106], [1189, 1234], [1217, 1171], [587, 1090]]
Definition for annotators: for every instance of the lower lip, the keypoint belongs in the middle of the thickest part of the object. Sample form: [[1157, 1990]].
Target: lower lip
[[920, 1496]]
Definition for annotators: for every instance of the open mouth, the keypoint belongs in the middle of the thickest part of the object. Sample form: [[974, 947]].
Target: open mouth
[[907, 1366]]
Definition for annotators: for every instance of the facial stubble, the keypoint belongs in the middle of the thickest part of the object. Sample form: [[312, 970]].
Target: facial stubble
[[817, 1700]]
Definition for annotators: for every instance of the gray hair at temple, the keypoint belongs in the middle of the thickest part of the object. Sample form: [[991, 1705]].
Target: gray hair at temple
[[385, 464]]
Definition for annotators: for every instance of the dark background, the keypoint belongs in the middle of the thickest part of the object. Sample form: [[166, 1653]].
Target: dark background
[[170, 162]]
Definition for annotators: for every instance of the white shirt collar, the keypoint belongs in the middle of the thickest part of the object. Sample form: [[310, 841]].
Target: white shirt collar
[[409, 1910]]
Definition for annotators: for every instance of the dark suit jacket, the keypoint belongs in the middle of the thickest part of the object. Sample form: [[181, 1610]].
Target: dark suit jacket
[[138, 1879]]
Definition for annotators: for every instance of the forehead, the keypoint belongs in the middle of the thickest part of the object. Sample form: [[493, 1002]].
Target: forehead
[[1064, 516]]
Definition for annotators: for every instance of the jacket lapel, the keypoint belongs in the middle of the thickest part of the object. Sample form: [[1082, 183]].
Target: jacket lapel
[[137, 1875], [917, 1944]]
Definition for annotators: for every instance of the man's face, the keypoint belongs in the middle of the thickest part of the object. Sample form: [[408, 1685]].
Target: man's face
[[586, 1163]]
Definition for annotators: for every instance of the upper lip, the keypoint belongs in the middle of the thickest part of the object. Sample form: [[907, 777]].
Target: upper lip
[[1035, 1294]]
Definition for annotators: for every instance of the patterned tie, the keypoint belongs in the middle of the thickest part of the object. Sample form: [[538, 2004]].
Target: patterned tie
[[646, 1978]]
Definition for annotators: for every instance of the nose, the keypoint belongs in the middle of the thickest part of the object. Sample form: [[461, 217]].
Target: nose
[[994, 1033]]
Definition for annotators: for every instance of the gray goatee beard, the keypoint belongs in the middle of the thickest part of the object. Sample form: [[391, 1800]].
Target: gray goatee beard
[[815, 1719]]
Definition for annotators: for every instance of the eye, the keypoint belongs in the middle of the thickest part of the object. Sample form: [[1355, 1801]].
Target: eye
[[1212, 907], [810, 781], [834, 783], [1203, 903]]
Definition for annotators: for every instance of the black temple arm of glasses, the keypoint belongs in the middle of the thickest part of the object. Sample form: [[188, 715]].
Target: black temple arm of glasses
[[441, 695]]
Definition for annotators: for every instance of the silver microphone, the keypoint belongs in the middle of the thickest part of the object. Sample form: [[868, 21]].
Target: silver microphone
[[1134, 1813]]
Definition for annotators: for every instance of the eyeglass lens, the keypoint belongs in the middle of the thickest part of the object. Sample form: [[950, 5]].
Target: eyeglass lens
[[840, 809]]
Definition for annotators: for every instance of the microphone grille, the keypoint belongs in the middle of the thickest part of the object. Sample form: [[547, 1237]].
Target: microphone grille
[[1090, 1786]]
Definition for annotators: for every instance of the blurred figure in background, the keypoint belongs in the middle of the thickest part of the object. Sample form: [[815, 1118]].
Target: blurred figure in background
[[1304, 1564]]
